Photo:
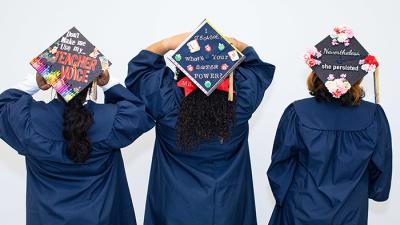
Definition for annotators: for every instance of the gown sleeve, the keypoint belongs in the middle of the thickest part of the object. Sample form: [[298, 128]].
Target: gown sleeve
[[380, 166], [131, 119], [253, 77], [284, 155], [152, 81], [15, 119]]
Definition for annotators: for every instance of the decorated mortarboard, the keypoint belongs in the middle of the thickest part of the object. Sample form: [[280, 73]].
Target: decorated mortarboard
[[70, 64], [206, 57], [339, 60]]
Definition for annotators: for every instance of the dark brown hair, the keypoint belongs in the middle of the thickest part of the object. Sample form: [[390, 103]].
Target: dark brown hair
[[318, 89]]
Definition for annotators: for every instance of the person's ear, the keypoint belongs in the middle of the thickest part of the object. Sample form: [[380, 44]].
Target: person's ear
[[103, 78], [41, 82]]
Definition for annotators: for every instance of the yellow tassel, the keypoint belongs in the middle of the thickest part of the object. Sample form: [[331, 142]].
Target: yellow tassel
[[230, 93], [94, 91], [376, 88]]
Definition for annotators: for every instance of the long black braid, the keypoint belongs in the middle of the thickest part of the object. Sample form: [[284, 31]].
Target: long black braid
[[77, 121]]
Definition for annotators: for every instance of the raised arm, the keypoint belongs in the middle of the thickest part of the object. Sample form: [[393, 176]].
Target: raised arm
[[151, 80], [131, 118], [252, 78], [15, 106], [165, 45]]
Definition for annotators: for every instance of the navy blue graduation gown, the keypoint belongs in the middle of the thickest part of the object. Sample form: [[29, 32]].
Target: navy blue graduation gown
[[212, 185], [327, 160], [60, 192]]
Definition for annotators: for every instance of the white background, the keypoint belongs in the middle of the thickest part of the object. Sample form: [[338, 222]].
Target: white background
[[279, 30]]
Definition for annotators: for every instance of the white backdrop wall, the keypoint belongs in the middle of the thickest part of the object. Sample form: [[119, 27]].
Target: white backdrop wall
[[280, 30]]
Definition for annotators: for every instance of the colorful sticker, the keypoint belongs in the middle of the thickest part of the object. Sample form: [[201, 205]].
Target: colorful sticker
[[221, 46], [208, 48], [190, 68], [104, 63], [193, 46], [233, 55], [53, 50], [224, 66], [95, 53], [207, 84], [178, 57]]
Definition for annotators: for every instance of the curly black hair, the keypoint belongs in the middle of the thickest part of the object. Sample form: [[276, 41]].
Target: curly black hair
[[77, 121], [202, 118], [318, 89]]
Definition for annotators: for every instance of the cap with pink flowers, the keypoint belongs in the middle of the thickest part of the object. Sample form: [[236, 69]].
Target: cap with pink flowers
[[339, 60]]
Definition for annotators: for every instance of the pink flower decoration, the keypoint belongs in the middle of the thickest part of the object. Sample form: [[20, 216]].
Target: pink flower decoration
[[311, 56], [341, 34], [311, 62], [190, 68], [342, 89], [349, 33], [337, 87]]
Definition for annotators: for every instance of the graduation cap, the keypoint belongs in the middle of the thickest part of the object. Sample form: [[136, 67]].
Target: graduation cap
[[339, 60], [206, 57], [70, 64]]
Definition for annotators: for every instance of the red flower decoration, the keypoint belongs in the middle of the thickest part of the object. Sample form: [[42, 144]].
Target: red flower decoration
[[311, 62], [337, 93], [371, 60]]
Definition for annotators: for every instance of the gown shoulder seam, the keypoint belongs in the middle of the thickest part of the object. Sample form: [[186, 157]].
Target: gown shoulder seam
[[320, 129]]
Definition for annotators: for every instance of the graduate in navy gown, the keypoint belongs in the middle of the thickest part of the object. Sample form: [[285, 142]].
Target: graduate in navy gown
[[200, 171], [75, 171], [332, 152]]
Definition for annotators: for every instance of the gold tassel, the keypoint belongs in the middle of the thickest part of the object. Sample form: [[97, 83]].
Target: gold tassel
[[230, 93], [94, 91], [376, 86]]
